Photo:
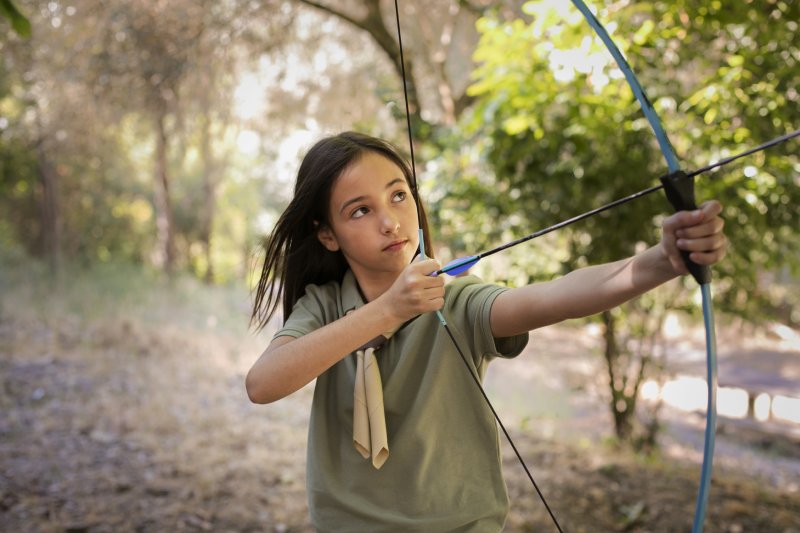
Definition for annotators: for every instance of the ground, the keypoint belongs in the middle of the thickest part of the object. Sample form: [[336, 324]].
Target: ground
[[127, 412]]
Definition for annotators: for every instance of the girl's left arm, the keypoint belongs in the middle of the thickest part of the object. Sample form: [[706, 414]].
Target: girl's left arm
[[590, 290]]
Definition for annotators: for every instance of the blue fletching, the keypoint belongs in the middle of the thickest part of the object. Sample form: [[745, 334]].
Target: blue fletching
[[462, 264]]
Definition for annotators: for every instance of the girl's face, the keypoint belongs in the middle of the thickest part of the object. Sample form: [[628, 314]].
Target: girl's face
[[373, 218]]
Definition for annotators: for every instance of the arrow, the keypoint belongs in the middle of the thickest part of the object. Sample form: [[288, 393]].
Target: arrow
[[462, 264]]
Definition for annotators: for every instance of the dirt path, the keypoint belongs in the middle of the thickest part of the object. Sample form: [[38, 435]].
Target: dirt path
[[112, 425], [568, 399]]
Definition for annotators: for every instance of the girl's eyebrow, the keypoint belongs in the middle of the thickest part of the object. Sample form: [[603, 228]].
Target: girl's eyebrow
[[362, 198]]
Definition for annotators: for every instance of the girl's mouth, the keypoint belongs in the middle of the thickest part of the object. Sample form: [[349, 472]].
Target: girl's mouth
[[395, 246]]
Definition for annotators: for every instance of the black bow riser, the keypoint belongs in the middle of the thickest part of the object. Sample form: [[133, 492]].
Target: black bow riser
[[680, 193]]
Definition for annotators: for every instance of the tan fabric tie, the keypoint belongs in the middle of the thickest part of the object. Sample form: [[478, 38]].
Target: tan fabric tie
[[369, 422]]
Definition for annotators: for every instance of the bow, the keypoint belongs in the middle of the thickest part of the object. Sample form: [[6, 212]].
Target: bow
[[679, 188]]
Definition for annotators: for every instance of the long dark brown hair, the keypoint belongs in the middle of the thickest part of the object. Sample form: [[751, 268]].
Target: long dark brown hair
[[294, 255]]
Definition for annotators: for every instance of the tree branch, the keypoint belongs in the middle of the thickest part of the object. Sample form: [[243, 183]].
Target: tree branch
[[374, 24]]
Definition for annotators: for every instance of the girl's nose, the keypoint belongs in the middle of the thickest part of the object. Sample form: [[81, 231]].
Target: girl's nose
[[390, 224]]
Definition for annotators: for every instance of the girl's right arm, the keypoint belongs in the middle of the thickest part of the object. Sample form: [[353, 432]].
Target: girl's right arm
[[288, 364]]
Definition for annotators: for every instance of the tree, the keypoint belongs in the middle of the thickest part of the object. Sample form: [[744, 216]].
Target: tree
[[84, 106], [41, 98], [148, 45], [563, 134], [437, 50]]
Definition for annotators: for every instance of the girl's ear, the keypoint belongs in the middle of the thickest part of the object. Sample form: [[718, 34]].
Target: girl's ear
[[327, 238]]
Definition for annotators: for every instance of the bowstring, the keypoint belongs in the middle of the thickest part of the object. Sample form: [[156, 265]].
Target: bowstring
[[472, 373]]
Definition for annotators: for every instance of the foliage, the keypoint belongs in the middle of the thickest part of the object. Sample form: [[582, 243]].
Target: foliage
[[79, 99], [746, 93], [565, 133], [83, 98], [558, 132], [18, 21], [17, 171]]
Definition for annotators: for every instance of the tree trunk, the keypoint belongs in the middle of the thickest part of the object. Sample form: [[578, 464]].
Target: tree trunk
[[622, 407], [165, 240], [49, 210], [209, 197]]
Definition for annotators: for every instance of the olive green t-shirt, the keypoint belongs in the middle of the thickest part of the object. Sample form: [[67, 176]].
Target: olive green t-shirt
[[444, 471]]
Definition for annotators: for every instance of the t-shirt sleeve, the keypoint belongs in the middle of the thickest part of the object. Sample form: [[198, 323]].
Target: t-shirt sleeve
[[469, 305], [312, 311]]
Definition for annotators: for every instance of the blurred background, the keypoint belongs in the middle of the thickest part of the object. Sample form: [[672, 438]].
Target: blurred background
[[147, 148]]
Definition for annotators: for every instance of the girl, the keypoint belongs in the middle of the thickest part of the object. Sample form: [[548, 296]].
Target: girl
[[399, 439]]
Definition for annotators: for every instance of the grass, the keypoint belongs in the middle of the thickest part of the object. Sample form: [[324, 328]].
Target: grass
[[119, 290]]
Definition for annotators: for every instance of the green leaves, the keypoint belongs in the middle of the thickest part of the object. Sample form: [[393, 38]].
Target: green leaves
[[564, 133], [554, 100], [18, 21]]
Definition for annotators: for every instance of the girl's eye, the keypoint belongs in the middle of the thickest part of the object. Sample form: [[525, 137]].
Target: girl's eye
[[358, 213], [399, 196]]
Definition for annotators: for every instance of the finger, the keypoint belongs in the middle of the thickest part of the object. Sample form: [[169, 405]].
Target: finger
[[709, 258], [711, 208], [701, 221], [704, 244], [425, 266], [432, 283], [434, 292], [419, 285], [429, 267], [711, 227], [683, 219], [420, 277]]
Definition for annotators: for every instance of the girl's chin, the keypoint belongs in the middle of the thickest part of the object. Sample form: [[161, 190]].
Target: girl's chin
[[394, 265]]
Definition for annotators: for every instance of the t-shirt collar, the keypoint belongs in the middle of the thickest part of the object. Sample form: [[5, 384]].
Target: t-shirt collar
[[351, 293]]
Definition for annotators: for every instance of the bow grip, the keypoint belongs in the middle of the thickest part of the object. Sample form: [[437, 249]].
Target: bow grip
[[680, 193]]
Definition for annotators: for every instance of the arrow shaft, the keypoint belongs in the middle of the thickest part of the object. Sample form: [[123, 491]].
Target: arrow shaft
[[572, 220], [722, 162], [769, 144]]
